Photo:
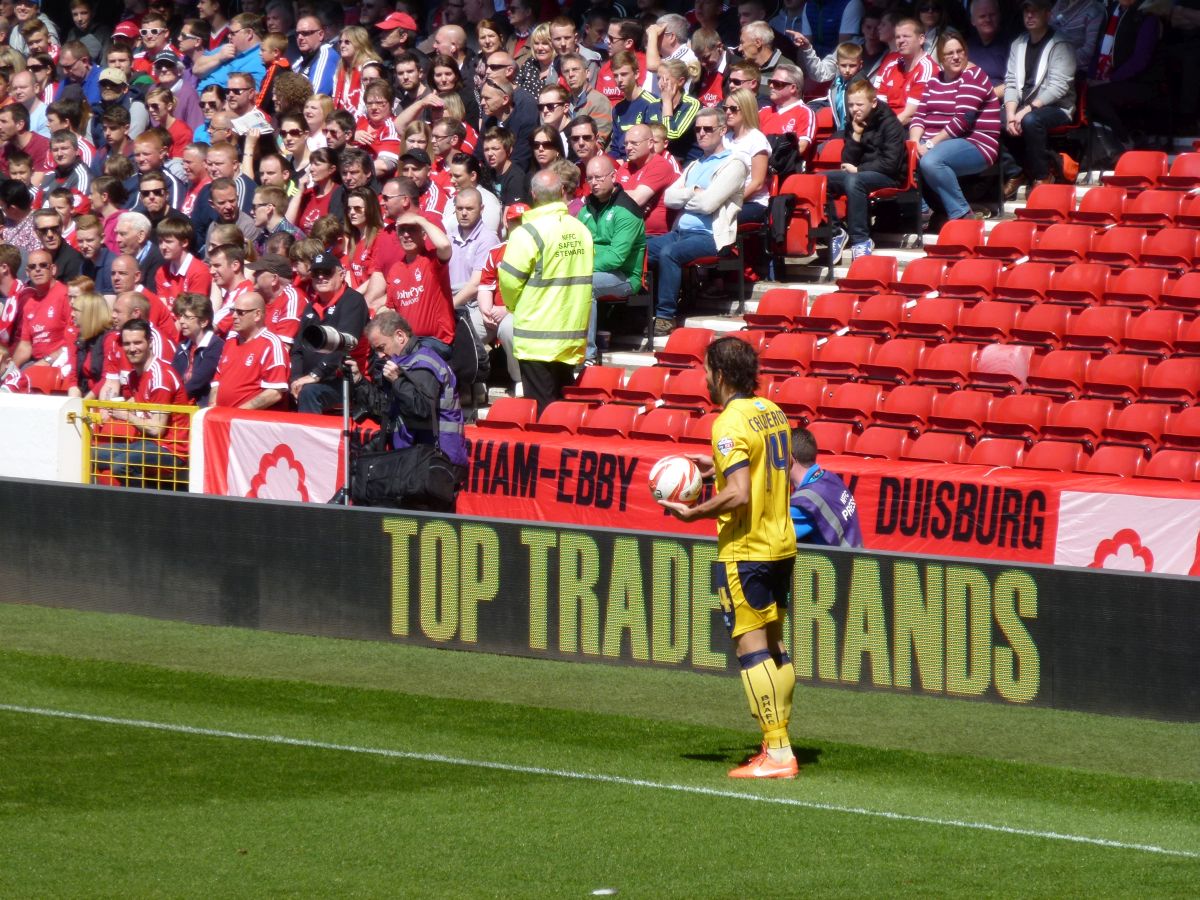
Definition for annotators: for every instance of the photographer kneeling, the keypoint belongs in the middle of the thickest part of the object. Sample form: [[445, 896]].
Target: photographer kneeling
[[411, 392]]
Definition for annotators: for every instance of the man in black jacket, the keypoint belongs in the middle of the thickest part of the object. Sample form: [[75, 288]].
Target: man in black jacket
[[873, 157], [315, 375]]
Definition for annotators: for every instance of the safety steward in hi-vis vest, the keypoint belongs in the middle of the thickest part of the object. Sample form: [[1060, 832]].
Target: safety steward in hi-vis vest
[[546, 280]]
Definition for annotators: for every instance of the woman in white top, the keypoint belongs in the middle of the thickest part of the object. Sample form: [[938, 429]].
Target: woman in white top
[[746, 141]]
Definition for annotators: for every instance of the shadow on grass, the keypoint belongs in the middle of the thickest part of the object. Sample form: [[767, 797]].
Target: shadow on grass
[[806, 756]]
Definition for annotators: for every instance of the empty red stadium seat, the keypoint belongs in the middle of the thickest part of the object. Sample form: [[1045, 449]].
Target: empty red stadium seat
[[513, 413], [921, 276], [829, 313], [869, 274], [1183, 430], [1025, 284], [851, 402], [1189, 211], [1062, 244], [961, 411], [559, 417], [611, 420], [1173, 465], [1041, 326], [1048, 203], [1054, 456], [957, 239], [1100, 206], [698, 430], [1079, 420], [1008, 241], [1183, 295], [1137, 170], [662, 424], [1018, 416], [880, 442], [1152, 209], [931, 318], [687, 388], [832, 437], [971, 279], [779, 309], [685, 347], [643, 386], [894, 362], [799, 397], [986, 322], [1061, 374], [947, 365], [789, 352], [1173, 381], [1001, 368], [1097, 328], [937, 447], [906, 406], [755, 337], [996, 452], [1137, 288], [1118, 460], [1139, 424], [1117, 377], [1184, 174], [878, 315], [1173, 249], [596, 384], [1153, 333], [1118, 247], [1079, 284], [841, 356], [1188, 341]]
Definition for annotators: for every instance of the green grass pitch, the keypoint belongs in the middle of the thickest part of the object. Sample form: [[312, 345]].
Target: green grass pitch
[[224, 763]]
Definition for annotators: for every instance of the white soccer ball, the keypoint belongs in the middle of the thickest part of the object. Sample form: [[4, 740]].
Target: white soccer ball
[[676, 478]]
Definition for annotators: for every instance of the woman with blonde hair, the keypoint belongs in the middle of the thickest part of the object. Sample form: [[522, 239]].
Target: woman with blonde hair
[[93, 318], [417, 136], [744, 138], [354, 49], [538, 71], [678, 109], [317, 109]]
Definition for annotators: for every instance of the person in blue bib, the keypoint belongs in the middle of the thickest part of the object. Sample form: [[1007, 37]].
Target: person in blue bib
[[823, 508]]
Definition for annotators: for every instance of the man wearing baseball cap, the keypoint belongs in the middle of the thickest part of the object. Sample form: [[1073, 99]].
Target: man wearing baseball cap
[[273, 279], [315, 373], [114, 91], [416, 164]]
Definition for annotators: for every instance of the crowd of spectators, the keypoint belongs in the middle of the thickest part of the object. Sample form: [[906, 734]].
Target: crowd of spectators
[[227, 173]]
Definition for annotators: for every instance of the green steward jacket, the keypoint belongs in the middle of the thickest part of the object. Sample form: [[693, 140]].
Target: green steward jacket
[[619, 235]]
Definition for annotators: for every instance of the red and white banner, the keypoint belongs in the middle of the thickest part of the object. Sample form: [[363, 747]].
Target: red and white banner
[[963, 511], [1129, 533], [271, 456]]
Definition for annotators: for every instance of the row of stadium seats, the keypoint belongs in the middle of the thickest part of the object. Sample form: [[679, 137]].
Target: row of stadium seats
[[1154, 332], [965, 427]]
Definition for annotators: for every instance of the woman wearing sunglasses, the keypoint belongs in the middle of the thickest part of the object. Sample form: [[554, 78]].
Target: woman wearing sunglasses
[[745, 139], [354, 49]]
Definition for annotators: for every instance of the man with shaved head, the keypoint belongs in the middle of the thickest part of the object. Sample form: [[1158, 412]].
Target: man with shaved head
[[618, 238], [451, 41], [254, 367], [47, 329], [317, 60], [645, 176], [131, 304]]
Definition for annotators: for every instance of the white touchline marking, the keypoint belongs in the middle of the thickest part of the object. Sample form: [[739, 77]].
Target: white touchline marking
[[593, 776]]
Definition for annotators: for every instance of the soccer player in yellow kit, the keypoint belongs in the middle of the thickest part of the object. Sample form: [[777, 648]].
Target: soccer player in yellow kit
[[756, 543]]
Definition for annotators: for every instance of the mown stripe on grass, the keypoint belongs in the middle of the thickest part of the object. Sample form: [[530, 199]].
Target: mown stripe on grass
[[593, 777]]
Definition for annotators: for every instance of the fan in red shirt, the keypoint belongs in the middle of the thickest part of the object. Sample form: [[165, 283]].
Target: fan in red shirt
[[901, 79], [415, 164], [127, 276], [15, 135], [376, 131], [228, 266], [645, 176], [284, 303], [10, 298], [623, 35], [313, 202], [48, 330], [788, 113], [418, 285], [130, 305], [197, 176], [144, 439], [254, 367], [181, 272]]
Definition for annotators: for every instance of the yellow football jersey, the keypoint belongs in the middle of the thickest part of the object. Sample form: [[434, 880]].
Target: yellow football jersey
[[754, 432]]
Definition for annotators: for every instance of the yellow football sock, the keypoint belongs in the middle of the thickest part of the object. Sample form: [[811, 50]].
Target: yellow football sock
[[786, 686], [762, 684]]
